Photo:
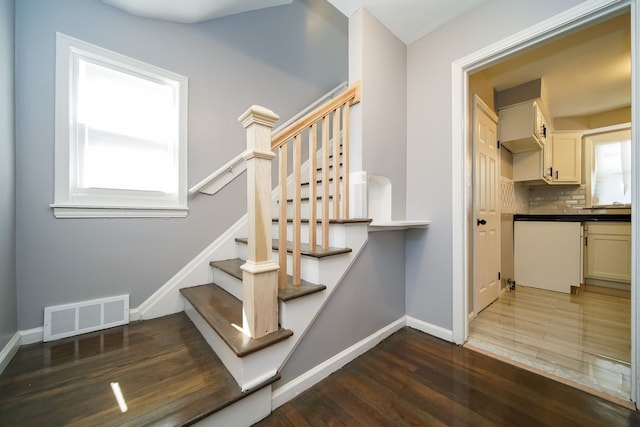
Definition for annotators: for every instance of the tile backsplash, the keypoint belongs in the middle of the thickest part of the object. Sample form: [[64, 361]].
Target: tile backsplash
[[515, 197], [557, 199]]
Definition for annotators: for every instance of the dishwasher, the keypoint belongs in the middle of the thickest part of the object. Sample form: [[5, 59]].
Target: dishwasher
[[548, 254]]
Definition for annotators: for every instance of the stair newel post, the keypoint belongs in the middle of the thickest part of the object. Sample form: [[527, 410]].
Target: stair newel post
[[260, 273]]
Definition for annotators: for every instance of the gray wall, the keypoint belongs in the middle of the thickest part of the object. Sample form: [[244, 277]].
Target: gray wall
[[384, 108], [8, 316], [372, 294], [277, 57], [369, 298], [429, 151]]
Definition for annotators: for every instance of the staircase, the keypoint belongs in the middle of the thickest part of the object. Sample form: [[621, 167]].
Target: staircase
[[261, 303]]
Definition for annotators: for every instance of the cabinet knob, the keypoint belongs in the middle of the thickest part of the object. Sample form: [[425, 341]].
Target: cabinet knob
[[481, 222]]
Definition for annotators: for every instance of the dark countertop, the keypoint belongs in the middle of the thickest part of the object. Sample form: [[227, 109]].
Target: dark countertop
[[573, 218]]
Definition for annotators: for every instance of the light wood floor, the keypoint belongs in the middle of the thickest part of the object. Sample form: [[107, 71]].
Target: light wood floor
[[584, 338]]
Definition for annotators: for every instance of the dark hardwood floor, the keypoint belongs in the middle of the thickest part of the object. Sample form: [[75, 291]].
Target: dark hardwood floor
[[412, 379], [169, 376], [166, 371]]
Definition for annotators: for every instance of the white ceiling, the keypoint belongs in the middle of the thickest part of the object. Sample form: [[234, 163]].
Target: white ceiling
[[407, 19], [191, 11], [585, 72]]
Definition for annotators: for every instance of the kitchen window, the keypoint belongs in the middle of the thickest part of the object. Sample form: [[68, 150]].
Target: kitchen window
[[121, 137], [609, 158]]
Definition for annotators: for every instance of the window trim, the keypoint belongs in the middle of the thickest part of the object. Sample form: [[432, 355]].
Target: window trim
[[110, 203], [589, 138]]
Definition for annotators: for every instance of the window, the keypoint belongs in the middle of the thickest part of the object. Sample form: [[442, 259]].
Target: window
[[121, 146], [610, 172]]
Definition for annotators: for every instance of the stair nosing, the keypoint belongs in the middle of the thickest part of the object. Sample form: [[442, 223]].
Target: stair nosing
[[240, 344], [318, 253], [331, 221]]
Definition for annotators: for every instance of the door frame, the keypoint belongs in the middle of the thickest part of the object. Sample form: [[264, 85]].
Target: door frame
[[478, 104], [462, 204]]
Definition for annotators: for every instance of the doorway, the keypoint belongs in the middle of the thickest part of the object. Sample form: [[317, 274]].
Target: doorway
[[461, 69]]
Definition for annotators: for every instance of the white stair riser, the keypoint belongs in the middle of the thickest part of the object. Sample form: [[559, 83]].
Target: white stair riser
[[306, 190], [297, 313], [228, 282], [337, 237], [249, 371], [304, 209], [309, 267]]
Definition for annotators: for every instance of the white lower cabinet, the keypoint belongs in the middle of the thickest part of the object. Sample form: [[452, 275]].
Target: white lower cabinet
[[548, 254], [608, 251]]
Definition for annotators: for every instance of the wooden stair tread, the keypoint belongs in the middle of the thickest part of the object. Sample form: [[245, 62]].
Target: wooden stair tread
[[332, 221], [318, 253], [221, 311], [232, 267]]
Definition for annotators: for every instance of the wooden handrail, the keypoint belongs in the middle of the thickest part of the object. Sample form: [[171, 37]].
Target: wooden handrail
[[351, 95]]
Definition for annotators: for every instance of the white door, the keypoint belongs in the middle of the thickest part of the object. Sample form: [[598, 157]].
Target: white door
[[487, 206]]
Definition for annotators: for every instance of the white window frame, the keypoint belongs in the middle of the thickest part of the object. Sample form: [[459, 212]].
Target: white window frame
[[590, 139], [71, 202]]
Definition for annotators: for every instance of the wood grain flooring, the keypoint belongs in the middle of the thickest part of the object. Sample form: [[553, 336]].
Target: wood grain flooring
[[585, 338], [166, 371], [413, 379]]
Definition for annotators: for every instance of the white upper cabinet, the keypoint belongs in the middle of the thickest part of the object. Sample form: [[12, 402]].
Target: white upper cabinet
[[566, 158], [559, 162], [522, 127]]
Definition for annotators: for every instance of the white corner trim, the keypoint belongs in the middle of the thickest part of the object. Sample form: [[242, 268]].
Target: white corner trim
[[430, 328], [9, 350], [166, 300], [296, 386], [31, 336], [134, 315]]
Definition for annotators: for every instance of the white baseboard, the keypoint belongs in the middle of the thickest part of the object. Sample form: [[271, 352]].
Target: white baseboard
[[9, 351], [431, 329], [296, 386], [31, 336]]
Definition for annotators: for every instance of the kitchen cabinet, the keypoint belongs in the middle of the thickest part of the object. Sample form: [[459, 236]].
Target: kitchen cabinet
[[559, 161], [533, 166], [608, 251], [566, 158], [548, 255], [522, 127]]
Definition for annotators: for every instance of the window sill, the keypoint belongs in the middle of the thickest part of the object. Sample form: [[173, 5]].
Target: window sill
[[75, 211]]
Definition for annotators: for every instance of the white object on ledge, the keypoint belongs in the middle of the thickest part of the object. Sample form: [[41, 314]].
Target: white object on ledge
[[379, 207]]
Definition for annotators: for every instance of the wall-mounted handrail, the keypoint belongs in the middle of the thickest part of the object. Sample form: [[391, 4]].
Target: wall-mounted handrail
[[235, 167], [236, 162]]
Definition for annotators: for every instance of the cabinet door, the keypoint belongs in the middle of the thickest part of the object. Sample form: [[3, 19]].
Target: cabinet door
[[609, 252], [566, 158]]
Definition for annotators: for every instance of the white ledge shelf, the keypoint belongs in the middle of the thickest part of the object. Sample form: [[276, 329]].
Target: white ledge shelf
[[398, 225]]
